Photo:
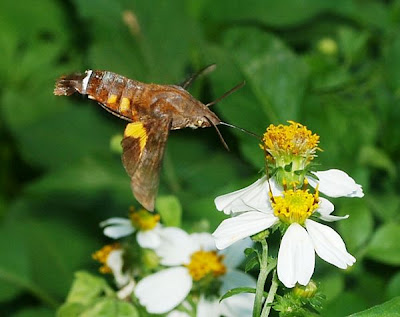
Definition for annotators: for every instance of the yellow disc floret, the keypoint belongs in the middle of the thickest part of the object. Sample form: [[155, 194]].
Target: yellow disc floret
[[295, 205], [143, 220], [102, 256], [285, 141], [203, 263]]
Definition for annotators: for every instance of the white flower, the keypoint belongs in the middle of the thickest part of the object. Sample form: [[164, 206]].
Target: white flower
[[146, 224], [115, 262], [166, 289], [253, 213]]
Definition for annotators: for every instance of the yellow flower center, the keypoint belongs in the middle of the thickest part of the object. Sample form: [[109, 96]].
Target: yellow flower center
[[203, 263], [290, 140], [295, 205], [102, 256], [143, 220]]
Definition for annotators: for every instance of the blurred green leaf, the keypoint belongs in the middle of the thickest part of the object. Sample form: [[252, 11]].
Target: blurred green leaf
[[376, 158], [393, 287], [358, 227], [387, 309], [277, 13], [63, 249], [14, 268], [352, 44], [276, 76], [112, 308], [170, 210], [86, 288], [346, 303], [392, 63], [384, 246], [35, 312], [331, 285]]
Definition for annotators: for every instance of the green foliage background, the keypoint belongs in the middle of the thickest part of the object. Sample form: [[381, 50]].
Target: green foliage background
[[59, 176]]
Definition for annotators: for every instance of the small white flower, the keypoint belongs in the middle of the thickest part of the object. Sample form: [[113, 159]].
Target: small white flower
[[111, 256], [166, 289], [253, 212], [145, 223]]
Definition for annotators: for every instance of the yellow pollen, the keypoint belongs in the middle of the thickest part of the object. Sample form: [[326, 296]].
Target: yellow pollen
[[102, 256], [203, 263], [112, 99], [124, 104], [295, 205], [143, 220], [294, 139]]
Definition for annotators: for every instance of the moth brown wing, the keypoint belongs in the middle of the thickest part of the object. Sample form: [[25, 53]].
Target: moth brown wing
[[143, 149]]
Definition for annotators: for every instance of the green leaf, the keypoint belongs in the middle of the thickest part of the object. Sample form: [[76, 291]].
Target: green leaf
[[346, 303], [358, 227], [86, 288], [274, 12], [352, 43], [109, 307], [331, 285], [385, 206], [170, 210], [377, 158], [384, 246], [239, 290], [276, 76], [391, 63], [393, 287], [388, 309], [35, 312], [14, 268], [251, 264], [70, 310]]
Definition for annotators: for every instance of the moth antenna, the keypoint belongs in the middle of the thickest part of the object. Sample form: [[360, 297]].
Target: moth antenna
[[267, 172], [219, 134], [226, 94], [203, 71], [241, 129]]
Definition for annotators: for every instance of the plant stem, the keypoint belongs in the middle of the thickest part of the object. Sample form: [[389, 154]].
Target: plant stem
[[271, 295], [261, 279]]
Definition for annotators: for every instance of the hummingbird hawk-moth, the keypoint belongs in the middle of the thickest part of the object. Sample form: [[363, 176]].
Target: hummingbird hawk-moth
[[151, 110]]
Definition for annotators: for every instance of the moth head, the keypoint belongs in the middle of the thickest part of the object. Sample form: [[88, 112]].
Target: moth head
[[203, 122]]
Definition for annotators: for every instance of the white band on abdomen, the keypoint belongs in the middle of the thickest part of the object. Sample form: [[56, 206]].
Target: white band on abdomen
[[85, 80]]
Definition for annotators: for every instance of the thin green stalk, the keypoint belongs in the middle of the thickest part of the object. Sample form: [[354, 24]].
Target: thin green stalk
[[271, 295], [261, 279]]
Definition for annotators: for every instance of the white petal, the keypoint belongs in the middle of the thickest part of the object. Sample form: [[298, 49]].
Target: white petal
[[336, 183], [242, 226], [164, 290], [207, 308], [176, 247], [203, 241], [118, 231], [115, 263], [325, 209], [148, 239], [253, 197], [296, 257], [234, 255], [329, 245], [240, 305], [236, 278], [115, 221]]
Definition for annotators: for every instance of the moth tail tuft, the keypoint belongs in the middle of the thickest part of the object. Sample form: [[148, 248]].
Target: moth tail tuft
[[67, 85]]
